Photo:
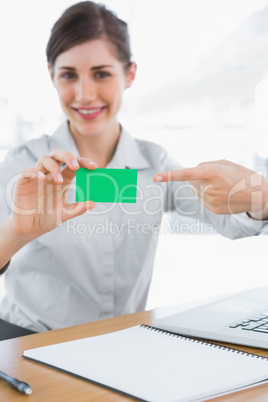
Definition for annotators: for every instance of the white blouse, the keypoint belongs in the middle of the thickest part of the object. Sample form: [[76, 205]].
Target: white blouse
[[98, 265]]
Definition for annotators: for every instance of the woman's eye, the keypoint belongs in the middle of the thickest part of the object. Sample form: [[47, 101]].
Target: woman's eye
[[102, 74], [68, 75]]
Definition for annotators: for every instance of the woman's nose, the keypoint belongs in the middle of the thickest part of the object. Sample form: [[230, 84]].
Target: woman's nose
[[85, 90]]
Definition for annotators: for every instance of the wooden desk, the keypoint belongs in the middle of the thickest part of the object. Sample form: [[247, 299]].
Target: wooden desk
[[51, 385]]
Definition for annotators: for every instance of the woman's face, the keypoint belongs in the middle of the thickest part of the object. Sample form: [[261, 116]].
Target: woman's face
[[90, 82]]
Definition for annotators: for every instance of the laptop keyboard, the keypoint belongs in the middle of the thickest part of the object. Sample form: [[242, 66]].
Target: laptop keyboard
[[258, 323]]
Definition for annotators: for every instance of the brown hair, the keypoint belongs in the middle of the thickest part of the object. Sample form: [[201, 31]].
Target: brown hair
[[86, 21]]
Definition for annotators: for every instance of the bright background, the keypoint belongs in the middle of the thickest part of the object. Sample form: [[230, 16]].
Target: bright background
[[201, 91]]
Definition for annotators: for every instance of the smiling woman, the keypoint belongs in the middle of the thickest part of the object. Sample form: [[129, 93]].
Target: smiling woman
[[90, 69], [180, 62], [57, 277], [90, 81]]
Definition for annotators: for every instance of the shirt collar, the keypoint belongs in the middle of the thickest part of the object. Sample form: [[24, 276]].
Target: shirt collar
[[127, 153], [63, 139]]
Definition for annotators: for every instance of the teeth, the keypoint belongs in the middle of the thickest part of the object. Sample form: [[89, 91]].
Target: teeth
[[84, 111]]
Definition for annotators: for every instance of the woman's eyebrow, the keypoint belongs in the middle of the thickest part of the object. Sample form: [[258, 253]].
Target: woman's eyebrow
[[92, 68], [66, 68], [102, 66]]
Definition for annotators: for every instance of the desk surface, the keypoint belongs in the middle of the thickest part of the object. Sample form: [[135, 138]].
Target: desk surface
[[51, 385]]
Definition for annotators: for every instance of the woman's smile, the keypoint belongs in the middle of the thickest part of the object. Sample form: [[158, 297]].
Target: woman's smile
[[89, 113]]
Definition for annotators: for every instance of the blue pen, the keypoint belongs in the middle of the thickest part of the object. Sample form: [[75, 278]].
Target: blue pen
[[20, 386]]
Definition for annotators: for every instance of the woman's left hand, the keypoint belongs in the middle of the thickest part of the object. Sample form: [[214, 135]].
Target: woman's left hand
[[224, 187]]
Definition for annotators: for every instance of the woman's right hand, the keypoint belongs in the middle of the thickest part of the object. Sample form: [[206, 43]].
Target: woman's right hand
[[40, 204]]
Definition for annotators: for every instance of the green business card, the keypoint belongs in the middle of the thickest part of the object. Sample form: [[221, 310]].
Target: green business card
[[106, 185]]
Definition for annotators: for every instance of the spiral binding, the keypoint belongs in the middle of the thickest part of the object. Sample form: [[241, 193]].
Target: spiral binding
[[197, 340]]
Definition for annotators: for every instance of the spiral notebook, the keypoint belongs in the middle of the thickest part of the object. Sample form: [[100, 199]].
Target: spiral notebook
[[157, 366]]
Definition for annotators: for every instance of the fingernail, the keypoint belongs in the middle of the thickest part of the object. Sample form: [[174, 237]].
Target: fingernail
[[59, 177], [75, 163], [158, 178], [41, 175], [92, 163]]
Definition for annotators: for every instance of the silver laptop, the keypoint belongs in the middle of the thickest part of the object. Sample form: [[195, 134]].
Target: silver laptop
[[241, 318]]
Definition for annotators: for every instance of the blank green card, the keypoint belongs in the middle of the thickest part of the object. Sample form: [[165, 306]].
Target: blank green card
[[106, 185]]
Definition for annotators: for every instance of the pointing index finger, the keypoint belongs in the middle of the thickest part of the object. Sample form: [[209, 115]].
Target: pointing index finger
[[189, 174]]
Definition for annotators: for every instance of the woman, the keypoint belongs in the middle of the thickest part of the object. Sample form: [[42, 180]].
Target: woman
[[77, 262]]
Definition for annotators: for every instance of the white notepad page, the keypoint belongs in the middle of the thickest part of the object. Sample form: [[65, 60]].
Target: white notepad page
[[154, 365]]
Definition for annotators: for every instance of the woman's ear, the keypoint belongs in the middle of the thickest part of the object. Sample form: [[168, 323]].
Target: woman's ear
[[51, 72], [131, 74]]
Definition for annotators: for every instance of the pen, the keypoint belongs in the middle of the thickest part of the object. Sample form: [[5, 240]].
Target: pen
[[20, 386]]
